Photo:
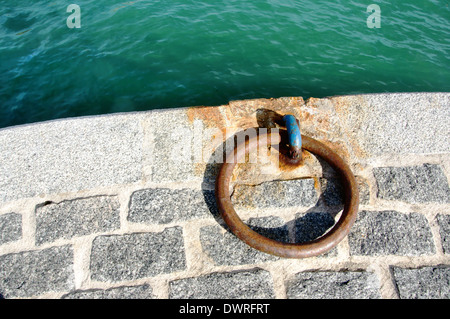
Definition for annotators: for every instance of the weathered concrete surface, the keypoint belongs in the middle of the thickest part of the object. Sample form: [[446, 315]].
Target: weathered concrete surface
[[122, 206]]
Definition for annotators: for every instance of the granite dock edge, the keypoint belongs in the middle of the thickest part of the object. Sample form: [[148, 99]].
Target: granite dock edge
[[77, 195]]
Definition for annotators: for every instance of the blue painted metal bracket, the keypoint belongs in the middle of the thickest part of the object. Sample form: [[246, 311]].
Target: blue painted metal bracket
[[294, 136], [293, 130]]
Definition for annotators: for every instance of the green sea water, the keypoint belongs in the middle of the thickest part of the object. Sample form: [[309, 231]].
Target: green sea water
[[141, 55]]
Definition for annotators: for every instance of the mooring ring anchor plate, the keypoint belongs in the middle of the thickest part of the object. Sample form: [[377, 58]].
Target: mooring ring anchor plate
[[312, 248]]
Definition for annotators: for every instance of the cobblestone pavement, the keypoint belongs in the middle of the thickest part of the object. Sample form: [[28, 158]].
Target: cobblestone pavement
[[101, 207]]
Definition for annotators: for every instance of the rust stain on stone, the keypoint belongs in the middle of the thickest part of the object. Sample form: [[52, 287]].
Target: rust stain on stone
[[211, 116], [317, 184], [244, 114], [351, 111], [332, 121]]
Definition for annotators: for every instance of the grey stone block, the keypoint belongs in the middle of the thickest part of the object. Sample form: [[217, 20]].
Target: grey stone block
[[334, 285], [252, 284], [132, 256], [414, 184], [34, 273], [312, 225], [444, 231], [76, 217], [10, 228], [271, 227], [162, 205], [333, 193], [423, 283], [125, 292], [399, 123], [391, 233], [276, 194], [70, 155], [173, 147], [224, 248]]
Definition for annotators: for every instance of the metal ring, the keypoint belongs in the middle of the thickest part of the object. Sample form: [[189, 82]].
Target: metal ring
[[289, 250]]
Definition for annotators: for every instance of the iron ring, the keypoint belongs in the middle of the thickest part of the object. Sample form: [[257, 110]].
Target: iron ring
[[312, 248]]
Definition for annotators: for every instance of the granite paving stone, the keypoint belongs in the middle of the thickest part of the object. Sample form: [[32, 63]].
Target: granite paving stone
[[251, 284], [76, 217], [163, 205], [312, 225], [444, 231], [33, 273], [333, 193], [272, 227], [10, 228], [125, 292], [276, 194], [391, 233], [397, 123], [413, 184], [138, 255], [423, 283], [334, 285], [224, 248], [160, 148], [172, 147], [70, 155]]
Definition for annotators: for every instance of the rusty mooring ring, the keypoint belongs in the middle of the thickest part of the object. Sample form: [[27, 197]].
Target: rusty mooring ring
[[289, 250]]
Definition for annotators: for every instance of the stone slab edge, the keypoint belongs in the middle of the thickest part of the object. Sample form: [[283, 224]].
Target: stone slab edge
[[71, 155]]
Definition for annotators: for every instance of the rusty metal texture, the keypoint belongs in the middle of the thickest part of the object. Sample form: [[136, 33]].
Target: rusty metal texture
[[316, 247]]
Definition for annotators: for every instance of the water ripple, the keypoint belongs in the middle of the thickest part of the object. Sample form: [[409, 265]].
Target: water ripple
[[137, 55]]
